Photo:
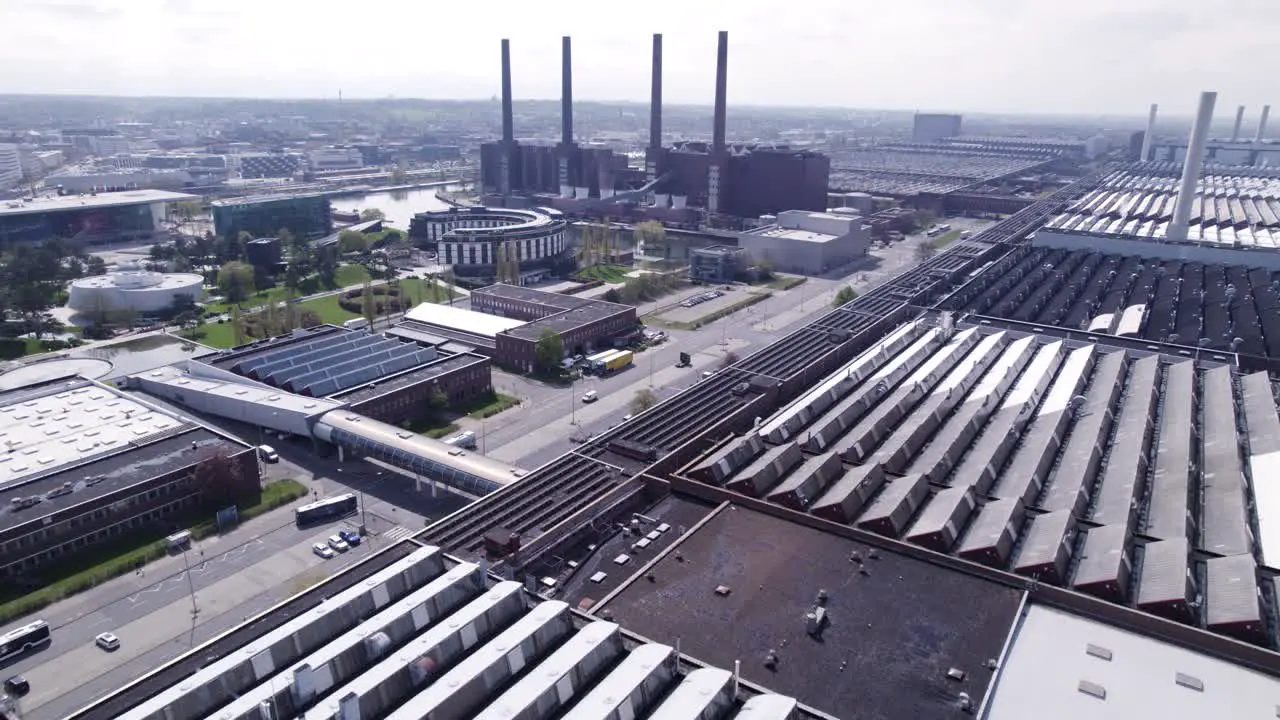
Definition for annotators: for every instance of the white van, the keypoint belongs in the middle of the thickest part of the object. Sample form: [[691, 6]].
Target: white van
[[590, 396], [356, 323], [268, 454]]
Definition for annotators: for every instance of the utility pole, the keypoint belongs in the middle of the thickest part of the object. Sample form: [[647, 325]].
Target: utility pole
[[573, 406]]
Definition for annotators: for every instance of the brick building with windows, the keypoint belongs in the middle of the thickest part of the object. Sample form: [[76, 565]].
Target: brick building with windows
[[90, 465]]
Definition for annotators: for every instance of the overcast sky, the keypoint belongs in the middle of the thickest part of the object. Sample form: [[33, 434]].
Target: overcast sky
[[1036, 56]]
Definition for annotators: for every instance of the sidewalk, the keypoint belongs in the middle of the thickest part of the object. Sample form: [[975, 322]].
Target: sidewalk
[[89, 601]]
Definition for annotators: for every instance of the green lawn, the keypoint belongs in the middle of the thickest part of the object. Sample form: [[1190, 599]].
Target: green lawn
[[607, 273], [95, 565], [346, 276], [485, 406], [786, 282], [434, 426]]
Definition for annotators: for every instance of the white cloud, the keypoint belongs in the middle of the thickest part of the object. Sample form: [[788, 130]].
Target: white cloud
[[996, 55]]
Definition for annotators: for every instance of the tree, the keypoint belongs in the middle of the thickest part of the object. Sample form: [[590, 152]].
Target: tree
[[95, 266], [286, 238], [237, 326], [548, 351], [765, 267], [729, 359], [369, 214], [352, 241], [235, 281], [398, 176], [844, 295], [327, 265], [644, 399], [309, 319], [612, 295], [925, 250], [436, 398], [652, 235], [368, 304]]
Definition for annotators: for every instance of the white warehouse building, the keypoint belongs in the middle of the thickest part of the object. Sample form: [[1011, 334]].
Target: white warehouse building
[[807, 242], [139, 290]]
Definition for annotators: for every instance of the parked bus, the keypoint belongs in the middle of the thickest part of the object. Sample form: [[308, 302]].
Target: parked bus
[[24, 639], [327, 509], [463, 440]]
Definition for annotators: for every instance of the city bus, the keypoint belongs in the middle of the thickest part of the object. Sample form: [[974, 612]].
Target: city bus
[[23, 639], [328, 509]]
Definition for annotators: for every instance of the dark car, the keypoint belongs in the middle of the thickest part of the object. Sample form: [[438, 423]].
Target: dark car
[[351, 536], [17, 686]]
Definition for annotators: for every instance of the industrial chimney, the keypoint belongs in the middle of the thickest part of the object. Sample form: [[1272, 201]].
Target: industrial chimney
[[1262, 123], [566, 91], [508, 121], [1191, 167], [1146, 139], [1235, 131], [722, 82], [655, 95]]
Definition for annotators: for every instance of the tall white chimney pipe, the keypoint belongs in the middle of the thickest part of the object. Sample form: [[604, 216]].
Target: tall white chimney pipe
[[1146, 139], [1262, 123], [1235, 132], [1191, 167]]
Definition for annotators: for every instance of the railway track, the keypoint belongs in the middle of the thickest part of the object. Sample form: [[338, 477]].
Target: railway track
[[575, 480]]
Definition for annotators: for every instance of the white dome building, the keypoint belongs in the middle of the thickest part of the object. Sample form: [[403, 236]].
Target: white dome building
[[132, 288]]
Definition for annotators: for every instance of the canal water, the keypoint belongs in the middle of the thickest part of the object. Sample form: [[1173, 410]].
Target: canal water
[[398, 205]]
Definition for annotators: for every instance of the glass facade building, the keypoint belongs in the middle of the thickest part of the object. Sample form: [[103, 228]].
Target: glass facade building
[[303, 215]]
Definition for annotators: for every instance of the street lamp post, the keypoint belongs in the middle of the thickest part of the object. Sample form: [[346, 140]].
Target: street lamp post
[[573, 406], [191, 586]]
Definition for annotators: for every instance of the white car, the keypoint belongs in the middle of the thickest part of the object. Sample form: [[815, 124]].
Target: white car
[[107, 641], [337, 543], [322, 550]]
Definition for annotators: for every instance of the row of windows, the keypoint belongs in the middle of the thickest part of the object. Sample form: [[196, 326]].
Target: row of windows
[[97, 515], [126, 525], [486, 253], [437, 230]]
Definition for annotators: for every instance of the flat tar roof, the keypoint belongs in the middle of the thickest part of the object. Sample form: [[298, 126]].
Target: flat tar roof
[[893, 633], [1065, 666], [470, 321], [129, 466], [410, 377], [53, 425], [516, 292], [793, 234], [568, 320], [62, 203]]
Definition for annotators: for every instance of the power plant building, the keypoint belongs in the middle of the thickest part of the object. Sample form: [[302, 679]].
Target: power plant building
[[716, 178]]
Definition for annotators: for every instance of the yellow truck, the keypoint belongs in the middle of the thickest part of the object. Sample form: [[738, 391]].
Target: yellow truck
[[619, 360]]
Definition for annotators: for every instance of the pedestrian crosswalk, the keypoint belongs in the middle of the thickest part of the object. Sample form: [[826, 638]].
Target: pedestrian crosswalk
[[397, 532]]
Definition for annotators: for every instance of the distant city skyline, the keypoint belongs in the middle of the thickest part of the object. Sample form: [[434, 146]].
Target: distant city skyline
[[1034, 57]]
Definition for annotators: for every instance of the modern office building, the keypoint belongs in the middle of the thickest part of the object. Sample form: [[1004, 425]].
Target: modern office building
[[932, 127], [132, 216], [10, 166], [807, 242], [717, 263], [269, 166], [87, 464], [471, 239], [305, 216], [135, 289], [335, 158]]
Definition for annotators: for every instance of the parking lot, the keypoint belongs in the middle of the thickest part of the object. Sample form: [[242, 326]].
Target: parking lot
[[704, 302]]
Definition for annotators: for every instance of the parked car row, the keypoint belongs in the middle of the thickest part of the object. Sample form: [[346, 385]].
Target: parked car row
[[343, 541], [701, 298]]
